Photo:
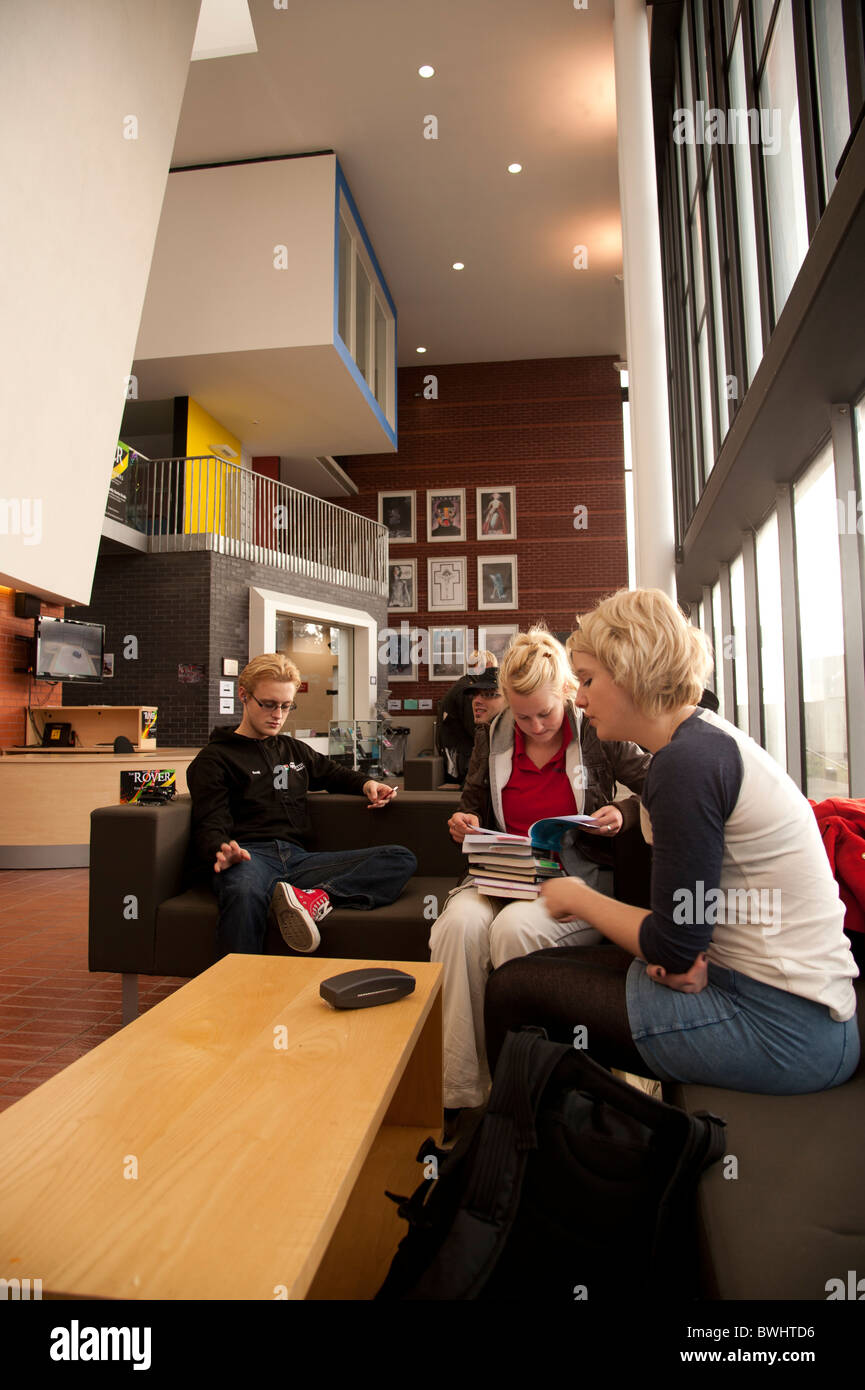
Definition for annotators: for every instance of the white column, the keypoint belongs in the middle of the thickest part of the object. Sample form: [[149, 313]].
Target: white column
[[644, 305]]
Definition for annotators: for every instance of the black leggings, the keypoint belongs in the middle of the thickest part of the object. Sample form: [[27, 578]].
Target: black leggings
[[560, 989]]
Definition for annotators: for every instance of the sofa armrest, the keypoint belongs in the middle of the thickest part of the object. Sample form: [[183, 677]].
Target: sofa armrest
[[137, 856]]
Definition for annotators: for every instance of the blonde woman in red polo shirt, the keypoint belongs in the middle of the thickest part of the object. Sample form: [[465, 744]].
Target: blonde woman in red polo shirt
[[538, 758]]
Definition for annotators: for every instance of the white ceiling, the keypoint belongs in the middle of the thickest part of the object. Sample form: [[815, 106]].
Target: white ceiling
[[524, 80]]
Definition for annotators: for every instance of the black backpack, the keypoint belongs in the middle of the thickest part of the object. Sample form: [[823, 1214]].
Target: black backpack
[[571, 1185]]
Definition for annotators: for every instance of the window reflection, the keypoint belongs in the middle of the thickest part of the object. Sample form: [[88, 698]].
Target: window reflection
[[740, 648], [831, 84], [718, 644], [720, 356], [745, 219], [821, 632], [771, 639], [785, 179]]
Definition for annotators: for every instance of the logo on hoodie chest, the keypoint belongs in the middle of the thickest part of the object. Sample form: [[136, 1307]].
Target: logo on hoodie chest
[[282, 775]]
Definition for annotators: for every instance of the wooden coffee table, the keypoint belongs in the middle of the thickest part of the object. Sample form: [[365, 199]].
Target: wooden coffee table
[[232, 1143]]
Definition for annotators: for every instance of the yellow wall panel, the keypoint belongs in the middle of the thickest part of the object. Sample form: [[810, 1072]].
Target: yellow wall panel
[[208, 485]]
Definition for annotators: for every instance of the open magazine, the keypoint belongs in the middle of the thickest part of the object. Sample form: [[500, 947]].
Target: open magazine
[[515, 866], [544, 834]]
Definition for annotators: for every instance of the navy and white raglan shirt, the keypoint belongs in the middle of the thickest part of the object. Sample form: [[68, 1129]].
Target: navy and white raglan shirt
[[739, 869]]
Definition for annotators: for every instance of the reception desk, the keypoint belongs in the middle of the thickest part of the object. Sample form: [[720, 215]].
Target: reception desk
[[46, 799]]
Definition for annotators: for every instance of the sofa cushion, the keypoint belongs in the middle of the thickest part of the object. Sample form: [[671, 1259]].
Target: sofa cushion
[[186, 929], [793, 1217]]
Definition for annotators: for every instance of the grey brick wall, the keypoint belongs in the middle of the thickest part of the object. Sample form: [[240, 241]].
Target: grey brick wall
[[190, 608]]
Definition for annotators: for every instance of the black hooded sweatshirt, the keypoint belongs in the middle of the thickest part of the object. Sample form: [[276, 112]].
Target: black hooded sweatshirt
[[255, 789]]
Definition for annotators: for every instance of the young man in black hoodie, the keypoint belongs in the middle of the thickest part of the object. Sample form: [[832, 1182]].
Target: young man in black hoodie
[[250, 821]]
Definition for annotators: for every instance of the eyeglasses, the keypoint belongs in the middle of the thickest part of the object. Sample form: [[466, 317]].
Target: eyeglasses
[[271, 705]]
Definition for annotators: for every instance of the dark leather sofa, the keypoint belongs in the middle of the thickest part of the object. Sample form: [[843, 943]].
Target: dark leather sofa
[[152, 911]]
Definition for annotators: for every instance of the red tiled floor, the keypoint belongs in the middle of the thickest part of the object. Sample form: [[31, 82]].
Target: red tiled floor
[[53, 1010]]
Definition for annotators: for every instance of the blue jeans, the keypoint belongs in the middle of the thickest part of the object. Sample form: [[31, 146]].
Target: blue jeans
[[362, 878], [739, 1033]]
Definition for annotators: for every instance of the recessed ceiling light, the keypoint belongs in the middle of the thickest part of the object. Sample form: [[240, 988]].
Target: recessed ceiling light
[[515, 168], [420, 349], [458, 265], [426, 71]]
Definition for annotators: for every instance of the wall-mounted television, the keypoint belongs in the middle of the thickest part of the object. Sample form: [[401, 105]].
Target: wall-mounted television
[[67, 650]]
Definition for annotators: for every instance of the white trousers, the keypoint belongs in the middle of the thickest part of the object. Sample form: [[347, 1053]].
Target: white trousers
[[473, 936]]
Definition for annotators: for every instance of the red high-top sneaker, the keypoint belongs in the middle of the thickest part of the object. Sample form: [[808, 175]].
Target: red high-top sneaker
[[297, 912]]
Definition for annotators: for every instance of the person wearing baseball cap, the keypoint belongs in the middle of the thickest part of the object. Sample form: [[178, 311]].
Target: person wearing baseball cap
[[457, 720]]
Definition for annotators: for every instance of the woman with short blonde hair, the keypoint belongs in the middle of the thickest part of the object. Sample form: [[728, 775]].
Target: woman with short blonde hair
[[648, 647], [739, 974]]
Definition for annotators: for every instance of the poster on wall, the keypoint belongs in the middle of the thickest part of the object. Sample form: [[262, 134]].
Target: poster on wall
[[497, 639], [446, 583], [448, 654], [497, 582], [446, 514], [117, 505], [396, 511], [496, 513], [402, 582]]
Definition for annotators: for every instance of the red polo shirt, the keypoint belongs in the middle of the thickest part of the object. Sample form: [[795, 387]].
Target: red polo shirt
[[535, 792]]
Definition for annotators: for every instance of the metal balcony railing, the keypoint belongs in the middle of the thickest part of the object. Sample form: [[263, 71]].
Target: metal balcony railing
[[208, 503]]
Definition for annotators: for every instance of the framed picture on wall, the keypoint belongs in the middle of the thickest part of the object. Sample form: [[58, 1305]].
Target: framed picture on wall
[[497, 581], [496, 639], [446, 514], [402, 585], [396, 511], [401, 654], [446, 584], [447, 653], [497, 513]]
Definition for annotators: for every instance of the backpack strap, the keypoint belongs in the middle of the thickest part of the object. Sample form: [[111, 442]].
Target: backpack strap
[[492, 1194], [524, 1067]]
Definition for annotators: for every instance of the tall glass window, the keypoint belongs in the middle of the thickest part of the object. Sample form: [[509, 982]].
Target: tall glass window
[[715, 262], [762, 10], [381, 355], [740, 647], [365, 320], [361, 318], [822, 639], [687, 102], [718, 644], [730, 8], [771, 639], [782, 158], [345, 290], [831, 84], [860, 467], [745, 217]]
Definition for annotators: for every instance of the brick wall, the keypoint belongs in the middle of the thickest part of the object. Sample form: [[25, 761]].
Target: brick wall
[[163, 601], [16, 689], [552, 428], [187, 608], [230, 609]]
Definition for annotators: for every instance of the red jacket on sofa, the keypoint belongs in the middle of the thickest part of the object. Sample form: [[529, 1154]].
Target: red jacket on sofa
[[842, 826]]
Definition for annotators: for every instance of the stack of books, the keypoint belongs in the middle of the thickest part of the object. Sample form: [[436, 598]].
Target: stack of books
[[506, 866]]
